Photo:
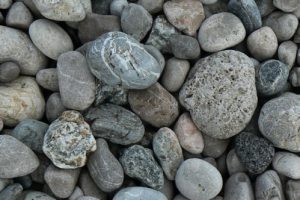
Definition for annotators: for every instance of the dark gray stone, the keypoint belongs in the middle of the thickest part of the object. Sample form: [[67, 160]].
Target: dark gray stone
[[116, 124], [11, 192], [271, 77], [265, 7], [25, 181], [254, 152], [54, 107], [156, 54], [137, 193], [184, 47], [153, 6], [248, 12], [38, 175], [138, 162], [31, 132], [9, 71], [101, 7]]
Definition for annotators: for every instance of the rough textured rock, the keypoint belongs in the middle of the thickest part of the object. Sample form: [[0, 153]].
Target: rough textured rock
[[16, 159], [154, 105], [76, 83], [221, 31], [238, 186], [184, 15], [118, 59], [184, 47], [116, 124], [287, 53], [21, 99], [233, 163], [197, 179], [9, 71], [68, 141], [54, 107], [104, 168], [287, 164], [153, 7], [48, 79], [138, 162], [19, 16], [11, 192], [135, 193], [220, 93]]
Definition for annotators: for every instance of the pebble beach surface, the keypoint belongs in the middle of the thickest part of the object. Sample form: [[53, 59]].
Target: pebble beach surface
[[149, 100]]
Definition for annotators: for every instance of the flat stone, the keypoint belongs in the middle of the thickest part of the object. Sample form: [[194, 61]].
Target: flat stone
[[50, 38], [214, 147], [21, 99], [9, 71], [233, 163], [54, 107], [238, 186], [292, 189], [287, 164], [19, 16], [12, 192], [197, 179], [220, 93], [109, 57], [184, 47], [138, 162], [153, 7], [117, 6], [104, 168], [184, 15], [16, 159], [286, 5], [76, 83], [116, 124], [221, 31], [31, 132], [136, 193], [287, 53], [68, 141], [48, 79], [154, 105]]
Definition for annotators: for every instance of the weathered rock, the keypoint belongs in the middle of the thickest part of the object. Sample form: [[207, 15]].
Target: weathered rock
[[11, 192], [233, 163], [9, 71], [287, 164], [184, 47], [68, 141], [116, 124], [153, 7], [238, 186], [54, 107], [117, 6], [135, 193], [220, 93], [35, 195], [138, 162], [48, 79], [214, 147], [292, 189], [287, 52], [154, 105], [21, 99]]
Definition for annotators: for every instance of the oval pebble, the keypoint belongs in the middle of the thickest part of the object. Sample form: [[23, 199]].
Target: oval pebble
[[233, 163], [54, 107], [9, 71], [287, 164], [184, 47], [48, 79], [137, 193], [287, 53], [237, 187]]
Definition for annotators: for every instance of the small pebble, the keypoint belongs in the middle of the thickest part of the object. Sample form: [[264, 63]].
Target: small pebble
[[101, 7], [292, 189], [48, 79], [180, 197], [156, 54], [76, 194], [5, 182], [233, 163], [54, 107], [287, 52], [19, 16], [117, 6], [4, 4], [25, 181], [137, 193], [9, 71], [265, 7], [184, 47], [287, 164], [38, 175], [35, 195], [168, 188], [214, 147], [153, 7], [286, 5], [238, 187], [11, 192], [295, 77]]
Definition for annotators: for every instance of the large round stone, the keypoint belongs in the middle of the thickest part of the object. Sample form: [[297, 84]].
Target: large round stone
[[220, 93]]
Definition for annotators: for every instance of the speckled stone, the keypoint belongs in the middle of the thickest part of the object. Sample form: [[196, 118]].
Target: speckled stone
[[35, 195], [54, 107], [11, 192], [68, 141], [138, 162], [136, 193], [271, 77], [19, 16], [214, 147], [9, 71], [237, 187], [256, 153], [221, 98], [116, 124], [287, 164], [184, 47], [108, 59], [287, 53], [48, 79]]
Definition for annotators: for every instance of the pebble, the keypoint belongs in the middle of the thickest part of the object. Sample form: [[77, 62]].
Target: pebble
[[248, 12], [48, 79], [221, 31], [237, 187], [95, 25], [283, 24], [154, 105], [32, 7], [136, 21], [9, 71], [156, 54], [174, 74], [35, 195], [109, 57], [186, 16], [86, 198], [268, 186], [221, 98], [101, 7], [38, 175], [104, 168], [153, 7], [61, 181], [30, 62], [25, 181], [233, 163], [292, 189], [287, 164], [180, 197], [167, 150], [76, 194], [297, 36], [265, 7], [287, 52], [271, 77], [19, 16], [50, 38], [138, 162], [184, 47], [214, 147], [161, 33], [71, 10], [4, 4], [54, 107], [262, 43], [286, 5], [5, 182], [136, 193], [76, 83], [68, 141], [197, 179], [21, 99], [168, 188], [31, 132], [116, 124], [189, 136], [11, 192], [16, 159], [117, 6], [295, 77], [256, 153]]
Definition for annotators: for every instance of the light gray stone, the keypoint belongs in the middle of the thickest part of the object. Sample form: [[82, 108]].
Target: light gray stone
[[237, 187], [9, 71], [48, 79], [117, 6], [287, 52], [4, 4], [287, 164], [35, 195], [19, 16], [286, 5], [136, 193], [54, 107]]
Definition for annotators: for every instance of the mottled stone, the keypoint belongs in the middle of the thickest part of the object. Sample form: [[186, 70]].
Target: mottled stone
[[233, 163], [48, 79], [50, 38], [287, 52], [184, 47], [237, 187], [214, 147], [185, 15], [35, 195], [220, 93], [221, 31], [287, 164], [292, 189], [21, 99], [9, 71], [154, 105], [68, 141], [136, 193], [138, 162], [19, 16], [118, 59], [76, 83], [16, 159], [153, 6], [265, 7], [11, 192], [197, 179], [54, 107], [117, 6]]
